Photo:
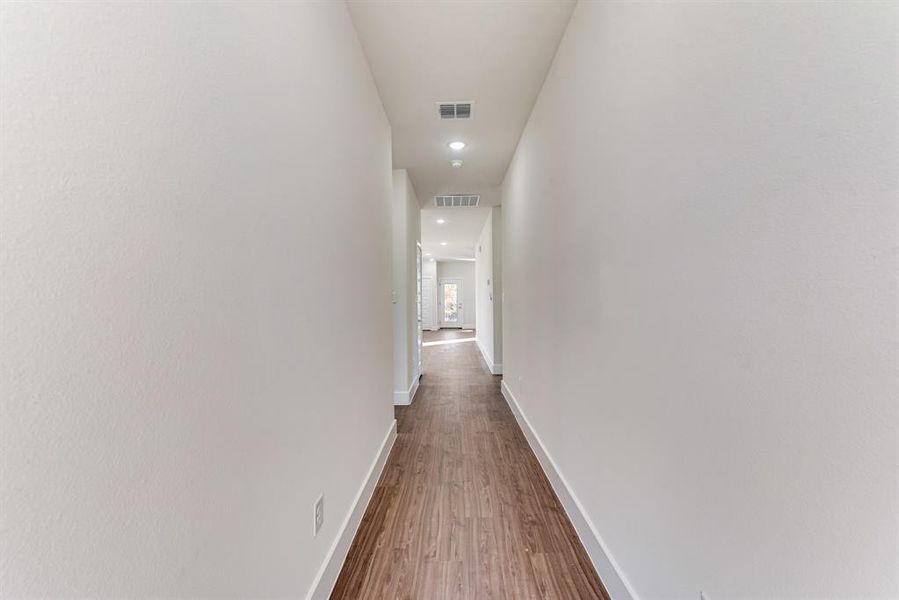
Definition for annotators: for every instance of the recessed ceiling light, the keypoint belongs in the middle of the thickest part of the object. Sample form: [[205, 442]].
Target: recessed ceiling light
[[457, 145], [443, 243], [427, 254], [441, 221], [457, 164]]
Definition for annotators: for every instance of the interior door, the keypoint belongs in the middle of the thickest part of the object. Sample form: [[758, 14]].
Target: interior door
[[450, 307], [428, 319]]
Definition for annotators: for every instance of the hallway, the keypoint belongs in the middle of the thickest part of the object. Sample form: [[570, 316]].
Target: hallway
[[664, 232], [463, 509]]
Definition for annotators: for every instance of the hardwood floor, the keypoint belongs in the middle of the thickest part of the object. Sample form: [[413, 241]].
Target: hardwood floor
[[463, 509]]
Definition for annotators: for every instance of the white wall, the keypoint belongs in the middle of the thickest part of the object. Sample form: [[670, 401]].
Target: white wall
[[488, 285], [497, 284], [701, 287], [406, 237], [187, 190], [464, 270]]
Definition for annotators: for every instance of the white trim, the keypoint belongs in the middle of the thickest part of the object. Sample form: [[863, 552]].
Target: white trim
[[609, 571], [494, 368], [487, 358], [326, 577], [468, 326], [404, 398]]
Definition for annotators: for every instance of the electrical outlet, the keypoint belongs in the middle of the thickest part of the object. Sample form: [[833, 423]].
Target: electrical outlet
[[319, 510]]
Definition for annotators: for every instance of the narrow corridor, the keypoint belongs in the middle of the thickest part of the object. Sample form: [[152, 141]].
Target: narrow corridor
[[665, 233], [463, 509]]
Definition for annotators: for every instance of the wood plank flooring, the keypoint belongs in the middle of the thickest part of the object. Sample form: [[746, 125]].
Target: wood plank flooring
[[463, 509]]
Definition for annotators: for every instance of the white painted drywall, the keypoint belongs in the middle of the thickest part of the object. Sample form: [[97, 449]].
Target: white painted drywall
[[464, 270], [187, 190], [700, 276], [406, 237], [488, 284], [497, 285], [500, 52], [483, 274]]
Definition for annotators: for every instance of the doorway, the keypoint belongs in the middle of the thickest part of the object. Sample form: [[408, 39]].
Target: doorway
[[449, 311]]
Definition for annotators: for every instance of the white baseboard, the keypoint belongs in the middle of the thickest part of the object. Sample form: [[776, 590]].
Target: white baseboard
[[327, 575], [413, 389], [468, 326], [608, 570], [405, 398], [494, 368]]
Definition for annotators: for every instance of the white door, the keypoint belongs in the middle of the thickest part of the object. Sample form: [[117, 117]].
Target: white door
[[449, 310], [428, 320]]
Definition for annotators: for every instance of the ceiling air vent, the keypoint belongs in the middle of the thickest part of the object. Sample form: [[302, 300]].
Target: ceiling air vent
[[454, 110], [457, 200]]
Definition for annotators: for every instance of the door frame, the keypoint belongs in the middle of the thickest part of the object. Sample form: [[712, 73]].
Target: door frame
[[418, 308], [459, 303]]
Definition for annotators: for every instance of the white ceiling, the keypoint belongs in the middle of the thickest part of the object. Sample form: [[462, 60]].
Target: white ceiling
[[494, 53], [460, 232]]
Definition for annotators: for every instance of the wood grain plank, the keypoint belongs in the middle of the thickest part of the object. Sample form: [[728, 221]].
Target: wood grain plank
[[463, 509]]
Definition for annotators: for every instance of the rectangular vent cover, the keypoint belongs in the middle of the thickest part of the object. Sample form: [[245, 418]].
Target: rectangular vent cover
[[457, 200], [454, 110]]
